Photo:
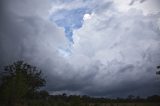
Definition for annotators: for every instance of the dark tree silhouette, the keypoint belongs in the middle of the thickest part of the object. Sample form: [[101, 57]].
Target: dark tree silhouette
[[158, 72], [19, 81]]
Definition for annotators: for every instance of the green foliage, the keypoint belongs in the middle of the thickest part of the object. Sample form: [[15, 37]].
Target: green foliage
[[20, 85], [19, 82], [14, 88]]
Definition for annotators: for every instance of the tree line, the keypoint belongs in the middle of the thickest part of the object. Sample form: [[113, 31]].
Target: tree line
[[20, 85]]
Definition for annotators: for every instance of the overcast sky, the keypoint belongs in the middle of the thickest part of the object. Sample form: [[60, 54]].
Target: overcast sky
[[93, 47]]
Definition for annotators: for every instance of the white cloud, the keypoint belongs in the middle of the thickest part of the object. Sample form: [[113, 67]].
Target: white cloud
[[87, 17], [146, 6], [116, 41], [115, 50]]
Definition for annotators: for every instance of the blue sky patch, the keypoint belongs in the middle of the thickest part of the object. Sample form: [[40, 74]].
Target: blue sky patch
[[69, 20]]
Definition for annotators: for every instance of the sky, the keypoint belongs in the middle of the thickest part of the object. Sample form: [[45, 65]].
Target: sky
[[98, 48]]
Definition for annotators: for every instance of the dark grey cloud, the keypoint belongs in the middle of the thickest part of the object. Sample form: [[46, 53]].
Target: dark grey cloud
[[133, 1], [122, 83], [28, 37], [99, 65]]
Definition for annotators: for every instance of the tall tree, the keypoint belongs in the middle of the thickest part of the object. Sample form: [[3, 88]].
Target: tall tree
[[19, 81]]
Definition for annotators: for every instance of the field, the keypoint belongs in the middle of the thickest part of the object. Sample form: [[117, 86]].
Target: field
[[127, 104]]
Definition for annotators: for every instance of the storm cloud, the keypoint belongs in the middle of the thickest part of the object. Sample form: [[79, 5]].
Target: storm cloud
[[113, 53]]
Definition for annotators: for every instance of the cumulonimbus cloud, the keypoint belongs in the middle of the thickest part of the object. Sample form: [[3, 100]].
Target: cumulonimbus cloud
[[114, 53]]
